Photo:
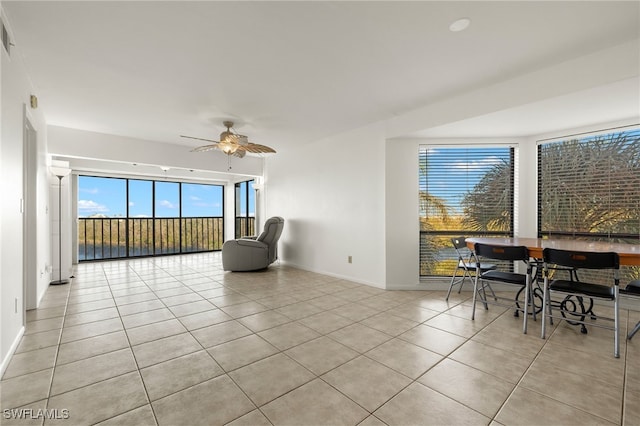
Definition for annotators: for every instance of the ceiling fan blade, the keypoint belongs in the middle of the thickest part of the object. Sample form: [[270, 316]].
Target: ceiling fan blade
[[232, 143], [199, 139], [255, 148], [206, 148]]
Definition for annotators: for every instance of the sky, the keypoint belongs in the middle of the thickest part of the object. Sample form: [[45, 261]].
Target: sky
[[108, 197]]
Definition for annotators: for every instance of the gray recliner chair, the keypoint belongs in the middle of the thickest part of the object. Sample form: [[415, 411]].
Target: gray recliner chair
[[247, 254]]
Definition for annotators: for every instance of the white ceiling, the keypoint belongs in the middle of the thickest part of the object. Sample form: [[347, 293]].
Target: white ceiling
[[293, 72]]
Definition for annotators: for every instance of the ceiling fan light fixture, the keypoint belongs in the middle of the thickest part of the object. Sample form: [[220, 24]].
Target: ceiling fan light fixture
[[228, 147]]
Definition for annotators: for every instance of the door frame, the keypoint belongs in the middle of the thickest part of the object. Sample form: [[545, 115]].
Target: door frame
[[29, 216]]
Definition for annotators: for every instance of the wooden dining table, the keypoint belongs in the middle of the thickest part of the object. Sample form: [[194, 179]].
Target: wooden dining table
[[629, 253]]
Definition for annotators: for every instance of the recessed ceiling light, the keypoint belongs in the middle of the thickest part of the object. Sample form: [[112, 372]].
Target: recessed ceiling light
[[460, 25]]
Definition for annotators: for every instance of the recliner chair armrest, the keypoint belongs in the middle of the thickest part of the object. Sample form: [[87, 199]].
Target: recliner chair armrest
[[244, 255], [245, 242]]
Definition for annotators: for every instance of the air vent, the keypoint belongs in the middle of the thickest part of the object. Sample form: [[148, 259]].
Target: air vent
[[6, 42]]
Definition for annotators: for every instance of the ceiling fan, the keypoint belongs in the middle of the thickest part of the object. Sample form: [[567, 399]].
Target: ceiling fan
[[232, 143]]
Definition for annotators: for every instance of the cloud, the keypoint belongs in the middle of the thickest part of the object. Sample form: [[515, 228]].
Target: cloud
[[167, 204], [90, 206], [89, 190], [194, 198], [131, 204], [203, 204], [478, 165]]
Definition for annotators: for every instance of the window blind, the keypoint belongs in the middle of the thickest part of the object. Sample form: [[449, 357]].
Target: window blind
[[463, 191], [590, 187]]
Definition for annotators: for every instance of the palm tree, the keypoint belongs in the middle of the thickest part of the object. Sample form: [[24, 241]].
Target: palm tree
[[591, 187], [488, 206]]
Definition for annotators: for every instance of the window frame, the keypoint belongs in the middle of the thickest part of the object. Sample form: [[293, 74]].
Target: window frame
[[449, 260], [582, 138], [243, 226], [179, 222]]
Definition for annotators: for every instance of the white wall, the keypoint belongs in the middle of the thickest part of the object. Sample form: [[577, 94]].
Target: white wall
[[15, 93], [402, 226], [74, 143], [313, 187], [331, 195]]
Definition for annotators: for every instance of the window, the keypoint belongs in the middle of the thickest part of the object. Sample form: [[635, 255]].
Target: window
[[140, 198], [102, 197], [201, 200], [102, 209], [463, 191], [128, 218], [245, 209], [140, 217], [167, 196], [589, 188], [201, 206]]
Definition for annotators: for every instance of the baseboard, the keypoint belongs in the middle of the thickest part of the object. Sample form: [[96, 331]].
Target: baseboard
[[12, 349], [330, 274]]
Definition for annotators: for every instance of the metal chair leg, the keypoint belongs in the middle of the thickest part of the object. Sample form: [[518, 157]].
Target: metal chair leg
[[526, 304], [492, 292], [475, 295], [484, 295], [634, 331], [455, 274], [459, 282], [465, 274], [616, 319], [545, 302]]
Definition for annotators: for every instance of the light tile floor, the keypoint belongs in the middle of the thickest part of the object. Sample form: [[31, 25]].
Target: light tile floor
[[175, 340]]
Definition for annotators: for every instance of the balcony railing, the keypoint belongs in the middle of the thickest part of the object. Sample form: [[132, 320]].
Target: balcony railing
[[113, 238], [245, 226]]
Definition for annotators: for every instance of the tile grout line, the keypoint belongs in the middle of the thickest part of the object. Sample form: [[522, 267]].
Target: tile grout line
[[624, 376], [537, 356], [55, 358], [135, 360], [254, 295]]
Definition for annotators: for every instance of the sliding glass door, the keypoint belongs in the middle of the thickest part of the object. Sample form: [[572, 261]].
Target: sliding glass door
[[120, 218], [245, 209]]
